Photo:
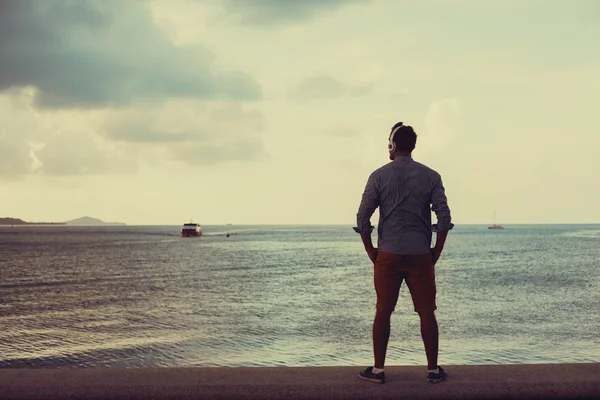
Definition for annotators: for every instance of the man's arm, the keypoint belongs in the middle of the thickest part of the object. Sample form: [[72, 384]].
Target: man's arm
[[368, 205], [440, 239], [444, 220]]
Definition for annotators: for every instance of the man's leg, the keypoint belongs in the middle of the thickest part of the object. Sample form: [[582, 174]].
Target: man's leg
[[387, 286], [430, 335], [421, 283], [381, 336]]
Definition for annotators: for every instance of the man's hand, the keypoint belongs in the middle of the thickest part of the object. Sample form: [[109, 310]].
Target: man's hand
[[368, 243], [372, 252]]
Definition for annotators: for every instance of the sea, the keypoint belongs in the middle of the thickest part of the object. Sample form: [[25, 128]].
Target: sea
[[143, 296]]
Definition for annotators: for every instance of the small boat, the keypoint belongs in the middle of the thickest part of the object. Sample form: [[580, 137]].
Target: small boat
[[495, 226], [191, 229]]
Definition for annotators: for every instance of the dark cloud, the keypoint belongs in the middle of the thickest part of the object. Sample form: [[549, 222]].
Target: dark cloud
[[324, 87], [270, 12], [85, 53]]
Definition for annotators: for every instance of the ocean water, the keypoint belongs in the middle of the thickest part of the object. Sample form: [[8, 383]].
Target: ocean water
[[83, 297]]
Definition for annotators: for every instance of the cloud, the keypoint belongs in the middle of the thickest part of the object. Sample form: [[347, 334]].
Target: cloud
[[191, 132], [120, 141], [326, 87], [15, 158], [79, 154], [108, 57], [243, 148], [273, 12], [33, 142], [86, 54]]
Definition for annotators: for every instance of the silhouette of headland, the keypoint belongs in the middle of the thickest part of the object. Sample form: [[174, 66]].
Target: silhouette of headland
[[83, 221]]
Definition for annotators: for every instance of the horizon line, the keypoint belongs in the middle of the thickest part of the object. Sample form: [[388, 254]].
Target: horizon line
[[298, 224]]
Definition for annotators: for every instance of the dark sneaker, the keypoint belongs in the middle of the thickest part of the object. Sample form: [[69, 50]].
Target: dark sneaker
[[435, 378], [368, 375]]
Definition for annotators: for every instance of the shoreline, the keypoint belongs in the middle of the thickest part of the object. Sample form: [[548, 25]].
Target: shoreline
[[516, 381]]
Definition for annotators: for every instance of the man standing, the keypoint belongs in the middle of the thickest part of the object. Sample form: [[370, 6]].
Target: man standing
[[404, 190]]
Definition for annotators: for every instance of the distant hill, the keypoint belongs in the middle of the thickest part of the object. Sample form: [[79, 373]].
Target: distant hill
[[19, 221], [12, 221], [91, 221], [79, 221]]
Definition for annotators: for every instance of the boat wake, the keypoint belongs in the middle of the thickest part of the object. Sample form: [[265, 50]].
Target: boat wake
[[591, 234]]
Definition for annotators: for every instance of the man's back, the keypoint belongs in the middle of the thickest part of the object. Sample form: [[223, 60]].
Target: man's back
[[404, 190]]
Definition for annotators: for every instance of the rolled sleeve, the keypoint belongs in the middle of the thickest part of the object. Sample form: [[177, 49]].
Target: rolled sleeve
[[440, 207], [368, 205]]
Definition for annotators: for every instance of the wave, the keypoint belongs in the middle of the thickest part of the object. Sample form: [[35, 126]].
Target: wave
[[592, 234]]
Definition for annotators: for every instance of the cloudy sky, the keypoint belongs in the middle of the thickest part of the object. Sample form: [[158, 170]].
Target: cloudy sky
[[276, 111]]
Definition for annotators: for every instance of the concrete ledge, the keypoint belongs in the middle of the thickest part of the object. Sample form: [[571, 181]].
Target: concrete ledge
[[540, 381]]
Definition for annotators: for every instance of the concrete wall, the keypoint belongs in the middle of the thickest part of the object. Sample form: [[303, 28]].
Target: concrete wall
[[547, 381]]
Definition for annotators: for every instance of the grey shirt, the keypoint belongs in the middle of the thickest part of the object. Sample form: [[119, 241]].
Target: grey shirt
[[404, 190]]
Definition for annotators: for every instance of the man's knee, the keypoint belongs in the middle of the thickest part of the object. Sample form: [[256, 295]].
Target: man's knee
[[384, 312], [427, 315]]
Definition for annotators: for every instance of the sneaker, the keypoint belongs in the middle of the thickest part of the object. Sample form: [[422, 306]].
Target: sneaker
[[368, 375], [432, 377]]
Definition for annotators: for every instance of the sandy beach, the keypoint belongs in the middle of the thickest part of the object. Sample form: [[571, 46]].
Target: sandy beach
[[547, 381]]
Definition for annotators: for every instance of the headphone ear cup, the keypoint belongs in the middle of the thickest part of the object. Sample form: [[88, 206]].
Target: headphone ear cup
[[392, 143]]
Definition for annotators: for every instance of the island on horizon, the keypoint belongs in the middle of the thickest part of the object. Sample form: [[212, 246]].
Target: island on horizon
[[83, 221], [19, 221], [91, 221]]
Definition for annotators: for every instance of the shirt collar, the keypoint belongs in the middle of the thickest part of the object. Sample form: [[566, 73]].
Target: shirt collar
[[402, 158]]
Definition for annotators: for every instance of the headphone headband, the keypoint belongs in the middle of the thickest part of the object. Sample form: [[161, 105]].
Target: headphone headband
[[392, 144]]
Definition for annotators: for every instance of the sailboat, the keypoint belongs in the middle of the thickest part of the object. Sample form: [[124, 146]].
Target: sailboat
[[495, 226]]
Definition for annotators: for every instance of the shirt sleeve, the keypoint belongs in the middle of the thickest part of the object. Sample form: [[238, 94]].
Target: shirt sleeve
[[368, 205], [440, 207]]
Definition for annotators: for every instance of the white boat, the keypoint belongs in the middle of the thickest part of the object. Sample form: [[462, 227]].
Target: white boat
[[191, 229]]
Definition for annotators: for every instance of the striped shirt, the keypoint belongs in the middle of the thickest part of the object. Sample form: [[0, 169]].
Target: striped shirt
[[404, 190]]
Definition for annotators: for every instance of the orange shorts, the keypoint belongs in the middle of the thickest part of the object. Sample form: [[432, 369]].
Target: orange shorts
[[419, 273]]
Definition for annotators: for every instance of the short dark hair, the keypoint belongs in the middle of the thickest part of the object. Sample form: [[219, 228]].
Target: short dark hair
[[405, 138]]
